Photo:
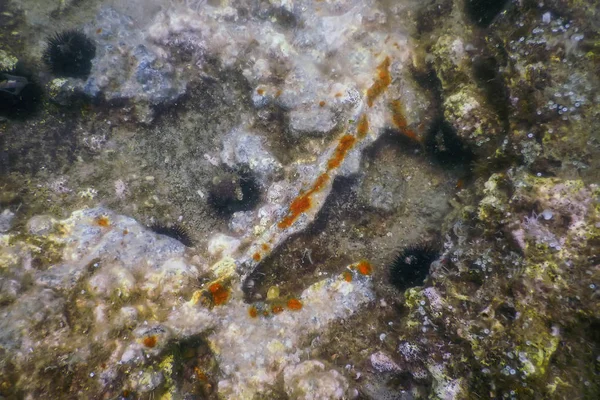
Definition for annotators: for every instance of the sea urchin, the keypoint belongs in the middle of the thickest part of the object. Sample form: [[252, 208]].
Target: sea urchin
[[411, 266], [70, 54], [175, 231]]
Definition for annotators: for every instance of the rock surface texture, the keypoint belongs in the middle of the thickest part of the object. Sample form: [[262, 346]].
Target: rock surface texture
[[213, 212]]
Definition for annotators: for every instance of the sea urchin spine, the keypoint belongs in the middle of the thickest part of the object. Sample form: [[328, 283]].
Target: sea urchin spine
[[175, 231]]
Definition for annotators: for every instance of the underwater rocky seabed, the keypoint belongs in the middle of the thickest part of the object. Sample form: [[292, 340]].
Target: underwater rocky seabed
[[302, 145]]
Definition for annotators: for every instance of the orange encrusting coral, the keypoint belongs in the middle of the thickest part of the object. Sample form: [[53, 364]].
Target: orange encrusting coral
[[363, 126], [219, 293], [345, 144], [400, 121], [364, 268], [200, 374], [302, 203], [150, 341], [277, 309], [103, 221], [347, 276], [253, 312], [381, 83], [294, 304]]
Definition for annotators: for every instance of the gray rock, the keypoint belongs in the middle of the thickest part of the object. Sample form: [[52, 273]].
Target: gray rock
[[242, 148], [6, 220], [317, 121]]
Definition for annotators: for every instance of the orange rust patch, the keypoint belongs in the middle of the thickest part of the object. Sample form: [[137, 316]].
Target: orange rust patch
[[400, 121], [256, 257], [150, 341], [253, 312], [294, 304], [264, 246], [460, 184], [364, 268], [125, 231], [321, 103], [338, 94], [260, 91], [381, 83], [363, 126], [99, 30], [265, 313], [277, 309], [302, 203], [345, 144], [219, 293], [103, 221], [278, 93], [348, 276]]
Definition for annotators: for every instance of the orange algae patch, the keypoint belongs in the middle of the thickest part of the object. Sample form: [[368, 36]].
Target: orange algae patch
[[260, 91], [256, 257], [348, 276], [381, 83], [253, 312], [264, 246], [400, 121], [302, 203], [103, 221], [150, 341], [277, 309], [294, 304], [125, 231], [363, 126], [364, 268], [345, 144], [321, 103], [219, 293], [338, 94]]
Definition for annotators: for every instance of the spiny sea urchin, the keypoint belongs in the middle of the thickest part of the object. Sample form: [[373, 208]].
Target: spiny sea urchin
[[234, 190], [70, 54], [411, 266], [175, 231]]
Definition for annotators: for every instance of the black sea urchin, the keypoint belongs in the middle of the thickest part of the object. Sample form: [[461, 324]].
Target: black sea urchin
[[411, 266], [175, 231], [70, 53], [233, 191]]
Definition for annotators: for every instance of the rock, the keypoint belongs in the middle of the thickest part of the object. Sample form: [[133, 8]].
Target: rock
[[41, 225], [383, 363], [223, 245], [316, 121], [6, 220], [311, 380], [244, 149]]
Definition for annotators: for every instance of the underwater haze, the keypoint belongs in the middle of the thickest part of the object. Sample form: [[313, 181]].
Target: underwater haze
[[311, 199]]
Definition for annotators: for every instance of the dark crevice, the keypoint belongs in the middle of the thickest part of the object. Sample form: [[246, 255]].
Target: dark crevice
[[483, 12]]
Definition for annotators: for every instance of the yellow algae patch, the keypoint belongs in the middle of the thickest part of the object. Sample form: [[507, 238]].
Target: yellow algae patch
[[224, 267]]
